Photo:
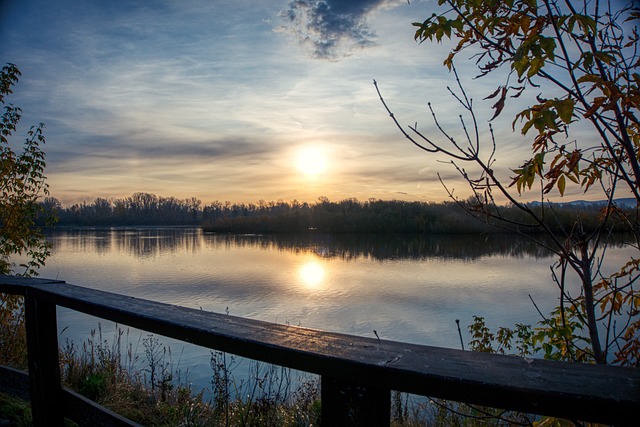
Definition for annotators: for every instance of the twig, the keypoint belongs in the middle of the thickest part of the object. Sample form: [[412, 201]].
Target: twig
[[536, 306], [460, 333]]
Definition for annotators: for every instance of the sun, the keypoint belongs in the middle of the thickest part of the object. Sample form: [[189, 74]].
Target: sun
[[311, 161]]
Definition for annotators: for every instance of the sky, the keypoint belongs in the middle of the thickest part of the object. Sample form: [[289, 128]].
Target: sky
[[237, 100]]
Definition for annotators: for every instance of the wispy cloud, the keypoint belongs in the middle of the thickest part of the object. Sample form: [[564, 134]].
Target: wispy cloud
[[205, 99], [332, 28]]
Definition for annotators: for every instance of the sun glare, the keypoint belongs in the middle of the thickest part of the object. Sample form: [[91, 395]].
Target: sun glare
[[311, 161], [311, 274]]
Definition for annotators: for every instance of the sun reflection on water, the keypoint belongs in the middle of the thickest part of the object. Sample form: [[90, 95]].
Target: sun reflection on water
[[311, 274]]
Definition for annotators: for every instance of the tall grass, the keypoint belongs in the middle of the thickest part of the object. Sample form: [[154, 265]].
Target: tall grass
[[149, 388]]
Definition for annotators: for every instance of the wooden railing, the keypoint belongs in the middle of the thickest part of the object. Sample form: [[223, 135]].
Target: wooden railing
[[357, 374]]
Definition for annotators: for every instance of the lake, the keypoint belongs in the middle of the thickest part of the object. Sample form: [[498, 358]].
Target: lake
[[407, 288]]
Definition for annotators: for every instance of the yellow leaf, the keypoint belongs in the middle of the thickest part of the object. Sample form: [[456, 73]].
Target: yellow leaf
[[561, 185]]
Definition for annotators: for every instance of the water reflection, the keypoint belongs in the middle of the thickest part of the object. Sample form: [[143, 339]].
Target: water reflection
[[406, 287], [149, 242], [311, 274], [142, 242]]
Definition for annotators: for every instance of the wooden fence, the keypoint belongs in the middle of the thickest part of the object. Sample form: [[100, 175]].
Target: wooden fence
[[357, 374]]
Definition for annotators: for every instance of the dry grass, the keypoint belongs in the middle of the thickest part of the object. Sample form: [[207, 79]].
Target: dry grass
[[150, 390]]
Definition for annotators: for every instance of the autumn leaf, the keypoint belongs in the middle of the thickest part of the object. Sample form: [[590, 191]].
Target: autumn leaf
[[499, 106]]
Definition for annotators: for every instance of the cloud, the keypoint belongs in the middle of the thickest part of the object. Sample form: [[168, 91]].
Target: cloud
[[331, 28]]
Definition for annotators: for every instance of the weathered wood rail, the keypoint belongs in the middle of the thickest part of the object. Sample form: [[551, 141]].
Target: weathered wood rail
[[357, 373]]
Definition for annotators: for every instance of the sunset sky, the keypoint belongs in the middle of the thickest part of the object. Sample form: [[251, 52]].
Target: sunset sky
[[236, 100]]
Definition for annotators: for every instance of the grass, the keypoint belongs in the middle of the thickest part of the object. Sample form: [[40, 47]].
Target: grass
[[15, 410], [152, 391]]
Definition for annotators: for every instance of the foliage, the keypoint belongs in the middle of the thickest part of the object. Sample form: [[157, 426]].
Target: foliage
[[556, 340], [15, 410], [483, 340], [584, 55], [574, 64], [22, 183]]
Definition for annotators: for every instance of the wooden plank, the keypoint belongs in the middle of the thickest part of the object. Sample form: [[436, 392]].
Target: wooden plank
[[44, 367], [580, 391], [16, 285], [14, 382], [86, 412]]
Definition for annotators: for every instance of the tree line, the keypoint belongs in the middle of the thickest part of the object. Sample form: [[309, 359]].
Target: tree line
[[137, 209], [397, 216], [345, 216]]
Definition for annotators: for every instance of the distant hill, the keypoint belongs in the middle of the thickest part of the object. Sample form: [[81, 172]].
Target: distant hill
[[628, 203]]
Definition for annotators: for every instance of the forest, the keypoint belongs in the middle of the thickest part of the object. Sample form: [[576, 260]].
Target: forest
[[325, 216]]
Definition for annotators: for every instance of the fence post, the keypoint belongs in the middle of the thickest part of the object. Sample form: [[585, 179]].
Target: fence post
[[348, 404], [44, 367]]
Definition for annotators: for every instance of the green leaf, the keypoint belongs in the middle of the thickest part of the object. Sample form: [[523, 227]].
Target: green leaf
[[521, 65], [604, 57], [587, 23], [548, 44], [587, 60], [561, 185], [565, 109], [591, 78], [535, 65]]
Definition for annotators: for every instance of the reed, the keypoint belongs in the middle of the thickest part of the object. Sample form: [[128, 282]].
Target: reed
[[150, 388]]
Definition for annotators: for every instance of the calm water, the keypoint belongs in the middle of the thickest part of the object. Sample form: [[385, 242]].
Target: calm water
[[406, 288]]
